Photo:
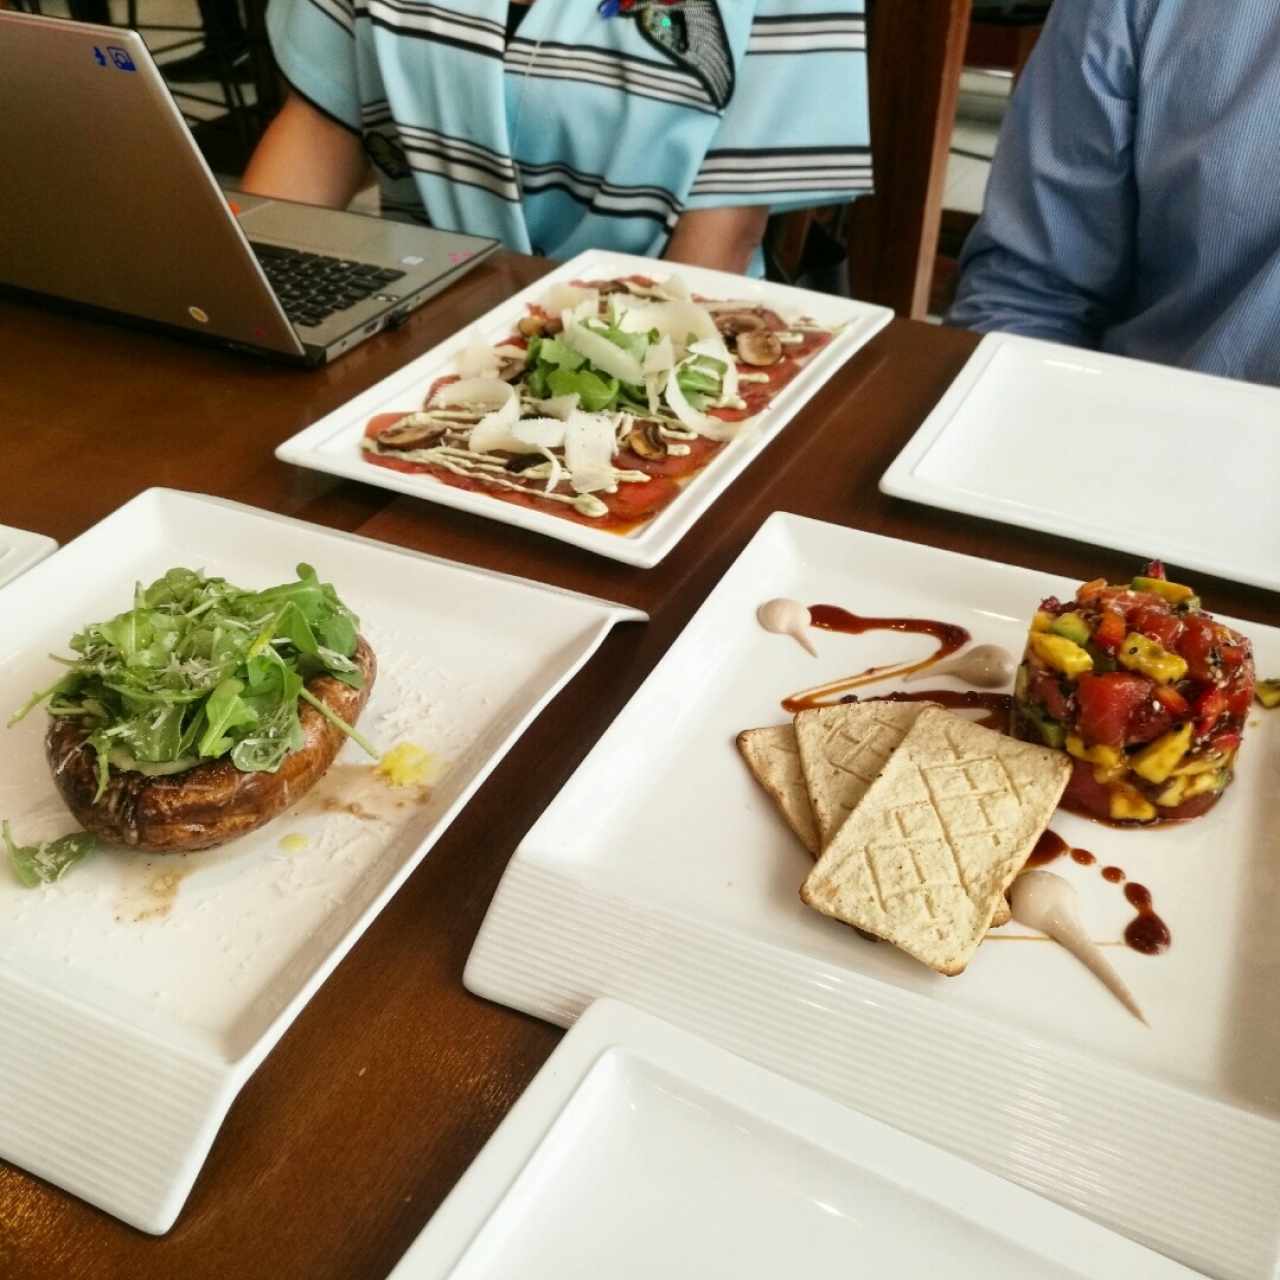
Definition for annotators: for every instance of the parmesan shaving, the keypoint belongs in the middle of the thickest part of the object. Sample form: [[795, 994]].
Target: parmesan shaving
[[588, 452], [488, 391], [479, 362], [605, 355], [541, 433]]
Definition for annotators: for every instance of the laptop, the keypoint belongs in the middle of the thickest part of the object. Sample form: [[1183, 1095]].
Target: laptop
[[108, 204]]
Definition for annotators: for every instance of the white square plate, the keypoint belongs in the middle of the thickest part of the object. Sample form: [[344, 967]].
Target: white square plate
[[19, 550], [139, 993], [1113, 451], [640, 1151], [662, 876], [333, 443]]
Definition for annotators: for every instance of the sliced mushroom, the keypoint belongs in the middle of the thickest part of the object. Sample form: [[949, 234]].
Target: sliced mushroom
[[524, 461], [414, 431], [732, 323], [533, 325], [759, 347], [509, 370], [645, 440]]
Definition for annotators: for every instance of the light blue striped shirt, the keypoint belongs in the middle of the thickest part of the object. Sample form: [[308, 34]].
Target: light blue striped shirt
[[1133, 206], [584, 132]]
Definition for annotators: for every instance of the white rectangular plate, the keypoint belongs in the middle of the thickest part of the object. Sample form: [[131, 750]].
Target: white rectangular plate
[[19, 550], [662, 876], [640, 1150], [333, 443], [139, 993], [1113, 451]]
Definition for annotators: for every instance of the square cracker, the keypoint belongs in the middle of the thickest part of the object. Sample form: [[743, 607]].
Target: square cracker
[[842, 751], [774, 760], [926, 857]]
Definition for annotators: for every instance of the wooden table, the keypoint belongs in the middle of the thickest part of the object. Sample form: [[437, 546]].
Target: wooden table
[[346, 1139]]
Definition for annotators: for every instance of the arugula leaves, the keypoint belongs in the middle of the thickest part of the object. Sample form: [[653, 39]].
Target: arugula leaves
[[554, 368], [199, 669], [48, 861]]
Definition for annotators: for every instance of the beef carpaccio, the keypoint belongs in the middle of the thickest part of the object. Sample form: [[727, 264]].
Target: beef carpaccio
[[606, 399]]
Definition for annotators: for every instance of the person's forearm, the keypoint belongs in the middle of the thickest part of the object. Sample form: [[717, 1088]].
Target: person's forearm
[[306, 156], [725, 239]]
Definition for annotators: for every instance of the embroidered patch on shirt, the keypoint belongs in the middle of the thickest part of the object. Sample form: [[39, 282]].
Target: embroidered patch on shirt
[[691, 33]]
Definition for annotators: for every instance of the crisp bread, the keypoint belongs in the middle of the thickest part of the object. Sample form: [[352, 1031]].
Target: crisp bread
[[842, 751], [774, 761], [926, 857]]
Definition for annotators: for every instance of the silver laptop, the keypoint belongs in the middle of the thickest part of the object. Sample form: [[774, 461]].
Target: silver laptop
[[107, 203]]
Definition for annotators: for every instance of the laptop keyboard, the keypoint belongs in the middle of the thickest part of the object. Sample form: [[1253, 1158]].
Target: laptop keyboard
[[312, 286]]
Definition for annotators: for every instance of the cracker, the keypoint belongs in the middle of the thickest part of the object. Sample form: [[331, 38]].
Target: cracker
[[926, 857], [774, 761], [842, 751]]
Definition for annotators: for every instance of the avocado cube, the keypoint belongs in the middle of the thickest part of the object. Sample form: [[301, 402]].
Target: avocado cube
[[1174, 592], [1046, 726], [1060, 653], [1150, 658], [1073, 626], [1157, 762], [1128, 804], [1206, 782], [1108, 757]]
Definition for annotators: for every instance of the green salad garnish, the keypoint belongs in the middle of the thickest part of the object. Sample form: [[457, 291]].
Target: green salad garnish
[[199, 669], [48, 861], [554, 367]]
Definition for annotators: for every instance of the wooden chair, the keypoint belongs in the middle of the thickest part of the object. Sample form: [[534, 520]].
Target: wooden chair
[[996, 43], [1002, 40], [916, 52]]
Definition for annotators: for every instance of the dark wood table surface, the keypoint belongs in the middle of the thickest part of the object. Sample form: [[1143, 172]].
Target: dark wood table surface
[[363, 1117]]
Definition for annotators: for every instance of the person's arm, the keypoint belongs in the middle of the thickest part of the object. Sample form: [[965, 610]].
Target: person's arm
[[725, 239], [304, 155], [1052, 255]]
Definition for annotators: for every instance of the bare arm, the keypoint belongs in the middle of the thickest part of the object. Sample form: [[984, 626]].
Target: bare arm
[[306, 156], [724, 239]]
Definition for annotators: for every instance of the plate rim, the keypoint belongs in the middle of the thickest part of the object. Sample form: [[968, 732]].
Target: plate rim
[[29, 549]]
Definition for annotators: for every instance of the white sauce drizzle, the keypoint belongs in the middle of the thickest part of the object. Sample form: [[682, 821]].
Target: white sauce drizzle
[[1044, 901], [478, 466], [988, 666], [785, 617]]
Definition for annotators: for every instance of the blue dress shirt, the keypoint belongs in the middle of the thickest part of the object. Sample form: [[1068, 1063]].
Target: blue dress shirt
[[1132, 205]]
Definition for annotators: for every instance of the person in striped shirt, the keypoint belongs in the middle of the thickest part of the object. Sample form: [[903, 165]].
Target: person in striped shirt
[[656, 127]]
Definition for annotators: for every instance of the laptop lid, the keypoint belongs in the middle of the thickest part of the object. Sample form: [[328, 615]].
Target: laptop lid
[[110, 204]]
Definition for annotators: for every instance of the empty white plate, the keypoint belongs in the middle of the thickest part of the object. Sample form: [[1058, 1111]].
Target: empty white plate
[[1162, 462], [641, 1151]]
